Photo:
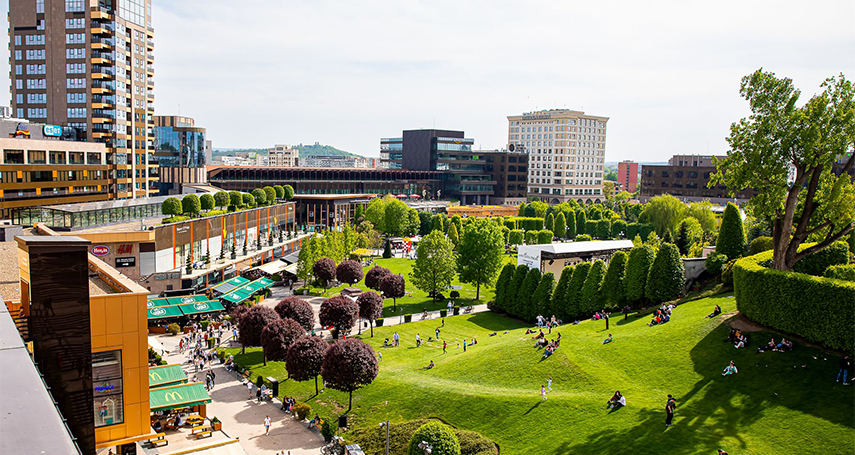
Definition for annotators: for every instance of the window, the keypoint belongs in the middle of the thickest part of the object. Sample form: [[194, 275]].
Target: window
[[35, 69], [18, 70], [34, 83], [74, 23], [76, 97], [75, 53], [72, 6], [19, 84], [19, 98], [77, 112], [36, 98], [57, 157], [32, 40], [75, 68], [17, 40], [75, 83], [18, 55], [107, 388], [75, 38], [40, 6], [37, 113]]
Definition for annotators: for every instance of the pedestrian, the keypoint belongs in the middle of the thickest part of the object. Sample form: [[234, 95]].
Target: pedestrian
[[625, 312], [543, 392], [418, 340], [443, 322], [606, 315], [444, 346], [549, 384], [437, 332], [395, 337], [266, 425], [464, 345], [844, 369], [379, 356], [669, 410], [213, 378], [249, 390]]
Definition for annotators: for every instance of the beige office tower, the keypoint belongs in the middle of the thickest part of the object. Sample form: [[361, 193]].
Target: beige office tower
[[282, 156], [566, 150], [89, 64]]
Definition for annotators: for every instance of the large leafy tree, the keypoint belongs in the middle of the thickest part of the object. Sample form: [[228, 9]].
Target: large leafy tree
[[309, 254], [785, 152], [376, 213], [270, 194], [393, 286], [613, 288], [435, 264], [349, 365], [667, 275], [689, 233], [298, 310], [279, 190], [221, 199], [349, 272], [339, 312], [637, 269], [665, 212], [324, 270], [397, 218], [207, 201], [288, 192], [304, 358], [277, 336], [374, 277], [235, 198], [482, 250], [259, 195], [731, 236], [370, 307], [252, 323], [453, 235]]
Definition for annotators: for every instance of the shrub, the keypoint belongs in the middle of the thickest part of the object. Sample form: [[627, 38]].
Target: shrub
[[349, 272], [191, 204], [171, 206], [530, 237], [816, 308], [631, 230], [573, 296], [614, 284], [591, 298], [604, 229], [761, 244], [620, 230], [544, 236], [841, 272], [526, 306], [379, 322], [207, 201], [731, 237], [542, 298], [667, 274], [301, 410], [502, 285], [339, 312], [581, 223], [560, 291], [583, 238], [560, 227], [516, 237], [248, 199], [637, 269], [512, 292], [549, 222], [438, 435], [454, 294], [387, 251], [715, 263], [727, 272], [644, 229], [173, 329], [591, 227], [835, 254]]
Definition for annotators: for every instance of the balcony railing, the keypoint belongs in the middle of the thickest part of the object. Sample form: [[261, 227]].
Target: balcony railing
[[104, 70], [105, 85], [105, 55]]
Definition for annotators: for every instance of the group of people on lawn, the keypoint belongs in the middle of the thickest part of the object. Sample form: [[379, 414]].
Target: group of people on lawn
[[541, 342]]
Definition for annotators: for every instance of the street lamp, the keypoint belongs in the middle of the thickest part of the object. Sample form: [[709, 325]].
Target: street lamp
[[386, 424]]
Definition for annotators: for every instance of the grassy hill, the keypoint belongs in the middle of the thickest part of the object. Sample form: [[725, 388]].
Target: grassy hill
[[773, 406]]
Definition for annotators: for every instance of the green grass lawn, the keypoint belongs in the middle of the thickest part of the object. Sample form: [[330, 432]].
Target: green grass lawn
[[773, 406], [416, 301]]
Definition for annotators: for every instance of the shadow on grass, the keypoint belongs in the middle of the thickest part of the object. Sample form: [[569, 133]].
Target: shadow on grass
[[533, 407], [496, 322]]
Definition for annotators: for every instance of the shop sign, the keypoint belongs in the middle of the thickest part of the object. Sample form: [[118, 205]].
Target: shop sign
[[104, 387], [100, 250], [182, 229], [126, 248], [159, 311], [126, 262], [202, 306], [187, 299], [52, 130], [167, 276]]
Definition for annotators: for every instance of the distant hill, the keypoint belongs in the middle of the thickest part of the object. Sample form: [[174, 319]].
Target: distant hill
[[305, 150]]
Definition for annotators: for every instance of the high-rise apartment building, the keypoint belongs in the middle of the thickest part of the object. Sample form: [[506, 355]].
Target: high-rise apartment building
[[89, 64], [179, 148], [566, 153], [283, 156], [627, 176]]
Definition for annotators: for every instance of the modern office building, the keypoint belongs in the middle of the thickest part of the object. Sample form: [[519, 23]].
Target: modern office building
[[686, 177], [89, 65], [179, 149], [307, 181], [341, 161], [627, 176], [566, 153], [283, 156], [448, 152], [43, 165], [510, 171]]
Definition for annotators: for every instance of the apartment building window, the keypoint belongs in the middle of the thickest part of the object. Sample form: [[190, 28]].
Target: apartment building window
[[19, 84], [74, 23], [35, 69], [76, 97], [73, 6], [40, 6], [34, 83], [77, 112], [36, 113], [36, 157], [19, 98], [18, 69], [33, 40], [75, 83], [36, 98], [57, 157], [75, 38], [93, 158], [77, 52], [75, 68], [17, 55], [80, 126]]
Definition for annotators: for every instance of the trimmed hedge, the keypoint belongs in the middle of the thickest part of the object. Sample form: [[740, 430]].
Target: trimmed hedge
[[835, 254], [372, 439], [816, 308], [761, 244], [841, 272]]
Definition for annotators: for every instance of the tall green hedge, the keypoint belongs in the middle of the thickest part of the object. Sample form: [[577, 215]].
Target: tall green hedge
[[542, 298], [841, 272], [516, 237], [513, 295], [544, 236], [581, 222], [731, 237], [819, 309], [592, 300], [620, 230], [530, 237], [667, 274], [571, 224], [614, 284], [591, 228], [573, 296], [561, 291], [761, 244], [835, 254], [637, 269], [502, 286], [526, 306], [549, 222]]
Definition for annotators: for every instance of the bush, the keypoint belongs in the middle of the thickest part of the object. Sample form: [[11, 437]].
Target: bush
[[583, 238], [302, 410], [516, 237], [171, 206], [667, 275], [727, 272], [816, 308], [454, 295], [592, 299], [544, 236], [379, 322], [439, 435], [715, 263], [761, 244], [372, 439], [530, 237], [835, 254], [731, 237], [604, 229], [637, 270], [173, 329], [620, 230], [841, 272]]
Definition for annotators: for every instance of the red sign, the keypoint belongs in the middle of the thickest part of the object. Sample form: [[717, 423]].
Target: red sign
[[100, 250], [127, 248]]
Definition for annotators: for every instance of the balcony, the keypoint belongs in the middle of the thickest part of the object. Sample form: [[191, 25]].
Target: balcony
[[149, 43], [102, 43], [150, 96], [150, 55], [99, 28], [103, 102], [150, 69], [103, 72], [103, 116], [103, 87], [101, 13]]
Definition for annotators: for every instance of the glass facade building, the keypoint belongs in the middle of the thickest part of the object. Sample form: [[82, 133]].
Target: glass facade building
[[179, 149]]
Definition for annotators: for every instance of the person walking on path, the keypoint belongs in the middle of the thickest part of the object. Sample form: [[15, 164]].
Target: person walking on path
[[249, 389], [549, 384], [266, 425], [844, 369], [395, 337], [669, 410], [543, 392], [437, 332]]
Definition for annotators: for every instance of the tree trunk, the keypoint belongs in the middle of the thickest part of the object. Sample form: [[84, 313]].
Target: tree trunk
[[371, 323], [316, 386], [360, 326], [264, 358], [350, 401], [394, 304], [478, 291]]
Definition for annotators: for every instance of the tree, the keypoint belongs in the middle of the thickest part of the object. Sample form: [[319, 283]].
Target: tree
[[349, 272], [560, 226], [457, 221], [349, 365], [619, 229], [413, 222], [702, 211], [191, 204], [248, 199], [277, 336], [637, 269], [482, 250], [667, 275], [279, 191], [544, 236], [591, 297], [513, 295], [604, 229], [560, 291], [304, 358], [435, 264], [530, 237], [339, 312], [526, 304], [453, 235], [521, 211], [324, 271], [297, 309], [438, 435], [530, 211], [516, 237], [370, 307], [503, 286], [731, 237], [288, 192], [571, 224], [437, 223], [387, 250], [252, 323], [613, 289], [396, 217], [573, 296], [542, 297], [207, 201], [549, 222], [393, 286], [425, 223], [780, 136], [309, 254], [269, 194], [581, 222], [171, 206], [375, 276], [221, 199], [690, 232], [665, 212], [260, 196], [235, 198]]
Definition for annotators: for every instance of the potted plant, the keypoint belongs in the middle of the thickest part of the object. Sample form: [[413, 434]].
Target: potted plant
[[443, 313], [216, 425], [327, 431], [379, 322], [408, 317], [456, 310]]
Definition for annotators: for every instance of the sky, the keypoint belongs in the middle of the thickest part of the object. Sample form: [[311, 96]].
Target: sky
[[345, 73]]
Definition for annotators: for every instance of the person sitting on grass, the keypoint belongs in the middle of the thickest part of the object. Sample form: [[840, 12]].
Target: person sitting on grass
[[558, 340], [730, 369], [529, 331], [617, 400], [731, 338], [539, 335], [784, 346], [716, 311], [767, 347], [608, 340], [742, 341], [540, 343], [430, 366], [549, 351]]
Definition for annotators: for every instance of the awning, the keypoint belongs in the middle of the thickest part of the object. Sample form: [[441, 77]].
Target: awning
[[237, 296], [229, 285], [208, 306], [164, 312], [292, 269], [165, 375], [273, 268], [291, 258], [228, 447], [188, 299], [178, 396], [257, 285], [157, 302]]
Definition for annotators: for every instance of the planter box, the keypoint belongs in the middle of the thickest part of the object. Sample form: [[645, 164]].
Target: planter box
[[408, 318], [443, 313], [156, 330], [456, 310], [186, 329], [379, 322], [217, 426]]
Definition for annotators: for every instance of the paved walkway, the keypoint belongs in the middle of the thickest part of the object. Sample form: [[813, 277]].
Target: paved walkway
[[243, 418]]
